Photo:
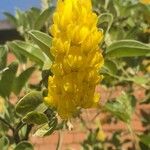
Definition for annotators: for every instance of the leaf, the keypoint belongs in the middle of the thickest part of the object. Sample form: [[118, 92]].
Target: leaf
[[4, 143], [127, 48], [109, 66], [42, 107], [32, 15], [3, 129], [10, 115], [43, 41], [21, 19], [22, 22], [47, 64], [11, 18], [140, 80], [117, 110], [21, 80], [145, 139], [22, 58], [35, 117], [30, 51], [122, 108], [24, 145], [143, 146], [29, 102], [3, 57], [7, 79], [47, 129], [43, 18], [106, 17]]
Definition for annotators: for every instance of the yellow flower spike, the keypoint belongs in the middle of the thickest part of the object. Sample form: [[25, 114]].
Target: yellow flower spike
[[78, 58], [54, 30], [57, 69], [59, 47]]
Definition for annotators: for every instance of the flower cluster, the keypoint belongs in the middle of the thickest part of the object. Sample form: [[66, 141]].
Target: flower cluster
[[78, 58]]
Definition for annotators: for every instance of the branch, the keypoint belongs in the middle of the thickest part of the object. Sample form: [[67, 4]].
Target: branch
[[29, 128], [16, 132]]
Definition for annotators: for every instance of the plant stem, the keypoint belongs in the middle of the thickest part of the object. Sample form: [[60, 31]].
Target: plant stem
[[134, 136], [59, 141], [16, 132], [106, 4], [16, 137], [20, 125], [29, 128]]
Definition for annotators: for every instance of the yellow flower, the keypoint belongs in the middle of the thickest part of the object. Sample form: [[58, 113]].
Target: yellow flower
[[145, 2], [78, 58], [101, 136], [146, 64]]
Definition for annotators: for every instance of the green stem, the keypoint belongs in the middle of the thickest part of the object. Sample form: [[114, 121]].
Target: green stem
[[16, 137], [134, 136], [106, 4], [29, 128], [20, 125], [16, 132]]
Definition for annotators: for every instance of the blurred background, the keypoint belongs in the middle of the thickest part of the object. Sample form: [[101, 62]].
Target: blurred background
[[6, 29], [10, 6]]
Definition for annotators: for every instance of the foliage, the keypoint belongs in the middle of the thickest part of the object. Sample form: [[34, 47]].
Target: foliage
[[126, 50]]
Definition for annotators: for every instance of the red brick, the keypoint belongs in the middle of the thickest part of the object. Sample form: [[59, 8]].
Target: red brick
[[67, 137], [144, 106], [78, 137], [36, 140], [35, 77], [45, 147], [71, 146], [52, 139]]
